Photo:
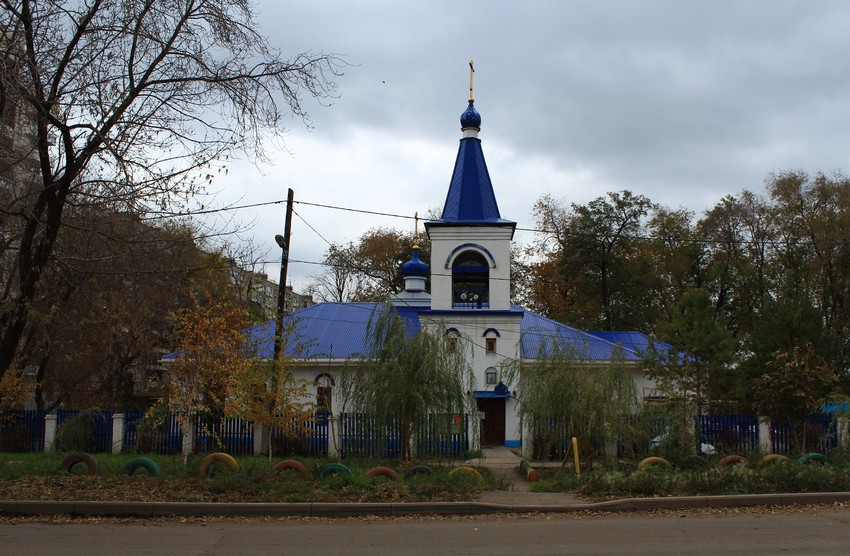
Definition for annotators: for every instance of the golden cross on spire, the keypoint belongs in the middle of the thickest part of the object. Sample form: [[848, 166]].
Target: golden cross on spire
[[471, 72], [416, 231]]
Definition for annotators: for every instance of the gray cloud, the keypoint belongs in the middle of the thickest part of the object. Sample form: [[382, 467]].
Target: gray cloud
[[684, 102]]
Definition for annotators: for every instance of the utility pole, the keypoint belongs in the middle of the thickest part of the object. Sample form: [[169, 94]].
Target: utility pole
[[283, 242]]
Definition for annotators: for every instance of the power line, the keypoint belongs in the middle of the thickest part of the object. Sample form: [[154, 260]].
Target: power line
[[543, 231]]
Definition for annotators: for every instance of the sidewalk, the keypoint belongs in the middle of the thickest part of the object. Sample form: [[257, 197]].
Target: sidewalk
[[517, 499]]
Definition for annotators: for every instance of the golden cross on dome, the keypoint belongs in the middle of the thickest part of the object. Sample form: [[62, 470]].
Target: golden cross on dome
[[416, 231], [471, 72]]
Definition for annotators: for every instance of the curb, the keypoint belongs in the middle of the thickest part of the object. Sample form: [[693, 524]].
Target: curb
[[329, 509]]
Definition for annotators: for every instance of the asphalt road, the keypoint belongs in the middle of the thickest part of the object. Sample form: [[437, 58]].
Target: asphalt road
[[798, 531]]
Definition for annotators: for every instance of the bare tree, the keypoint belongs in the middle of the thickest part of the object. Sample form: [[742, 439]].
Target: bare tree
[[130, 104], [339, 280]]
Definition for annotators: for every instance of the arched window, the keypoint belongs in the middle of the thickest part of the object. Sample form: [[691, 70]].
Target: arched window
[[324, 393], [470, 281]]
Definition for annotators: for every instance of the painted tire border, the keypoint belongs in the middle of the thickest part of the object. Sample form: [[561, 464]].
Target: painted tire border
[[654, 461], [79, 457], [734, 459], [812, 457], [147, 464], [418, 470], [382, 472], [771, 459], [331, 468], [211, 459], [466, 470], [295, 465]]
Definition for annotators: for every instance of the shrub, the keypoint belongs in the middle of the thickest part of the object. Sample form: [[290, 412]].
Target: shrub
[[79, 433]]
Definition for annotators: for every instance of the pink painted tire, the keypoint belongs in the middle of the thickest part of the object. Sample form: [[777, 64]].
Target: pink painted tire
[[382, 472], [291, 464]]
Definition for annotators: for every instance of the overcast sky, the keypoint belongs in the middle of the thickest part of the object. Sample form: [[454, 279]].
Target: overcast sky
[[684, 102]]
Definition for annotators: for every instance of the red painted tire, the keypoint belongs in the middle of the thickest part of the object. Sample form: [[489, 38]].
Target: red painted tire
[[383, 472], [79, 457], [291, 464], [211, 459], [532, 477], [733, 460]]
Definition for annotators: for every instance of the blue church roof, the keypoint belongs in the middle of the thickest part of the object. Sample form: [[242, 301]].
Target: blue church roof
[[470, 199], [635, 341], [339, 331], [539, 332]]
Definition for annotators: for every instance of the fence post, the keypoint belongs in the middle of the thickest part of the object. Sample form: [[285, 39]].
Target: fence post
[[49, 431], [189, 436], [841, 429], [764, 435], [261, 439], [117, 432], [333, 436]]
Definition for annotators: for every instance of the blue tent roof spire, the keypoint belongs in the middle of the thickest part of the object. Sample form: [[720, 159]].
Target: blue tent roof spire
[[471, 198]]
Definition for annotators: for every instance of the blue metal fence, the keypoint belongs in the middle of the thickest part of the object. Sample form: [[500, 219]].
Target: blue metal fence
[[442, 435], [730, 433], [821, 435], [311, 438], [233, 435], [161, 435]]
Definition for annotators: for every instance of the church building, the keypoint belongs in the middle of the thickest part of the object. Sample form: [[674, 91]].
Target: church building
[[470, 288]]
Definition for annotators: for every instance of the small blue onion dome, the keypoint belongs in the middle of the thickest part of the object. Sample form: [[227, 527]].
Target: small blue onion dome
[[470, 118], [415, 266]]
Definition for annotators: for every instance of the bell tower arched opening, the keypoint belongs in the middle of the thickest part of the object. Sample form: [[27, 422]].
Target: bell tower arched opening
[[470, 281]]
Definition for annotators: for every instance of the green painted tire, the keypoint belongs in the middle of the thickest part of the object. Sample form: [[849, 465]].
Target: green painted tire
[[208, 462], [332, 468], [147, 464], [291, 464], [654, 461], [79, 457], [812, 457]]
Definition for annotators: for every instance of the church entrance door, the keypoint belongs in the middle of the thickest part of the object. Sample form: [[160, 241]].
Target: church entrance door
[[493, 421]]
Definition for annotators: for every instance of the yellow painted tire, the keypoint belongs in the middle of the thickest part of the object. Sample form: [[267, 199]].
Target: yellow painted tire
[[332, 468], [213, 458], [733, 460], [654, 461], [291, 464], [382, 472], [79, 457], [771, 459], [465, 470]]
